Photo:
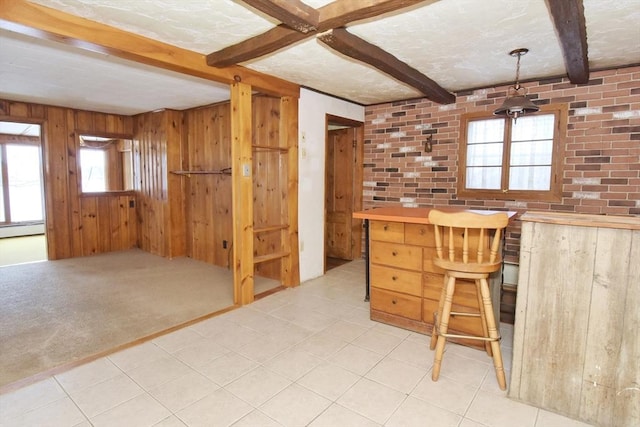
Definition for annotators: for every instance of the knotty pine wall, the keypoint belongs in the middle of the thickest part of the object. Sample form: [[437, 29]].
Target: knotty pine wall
[[269, 183], [209, 212], [158, 150], [76, 224], [167, 214], [601, 170], [208, 204]]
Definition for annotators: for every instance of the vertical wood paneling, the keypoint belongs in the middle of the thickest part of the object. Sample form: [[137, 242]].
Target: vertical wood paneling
[[549, 298], [604, 336], [576, 346], [175, 185], [269, 178], [103, 219], [627, 385], [208, 200], [73, 224], [289, 138], [61, 209], [157, 146], [242, 193], [89, 208]]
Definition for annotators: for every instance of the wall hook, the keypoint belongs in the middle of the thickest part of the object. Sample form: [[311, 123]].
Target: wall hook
[[428, 145]]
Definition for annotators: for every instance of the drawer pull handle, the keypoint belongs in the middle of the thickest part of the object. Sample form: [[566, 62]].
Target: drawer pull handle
[[394, 253], [384, 228], [393, 301], [394, 278]]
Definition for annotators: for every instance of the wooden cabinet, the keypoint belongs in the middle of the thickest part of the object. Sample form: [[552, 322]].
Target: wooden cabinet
[[576, 348], [405, 285]]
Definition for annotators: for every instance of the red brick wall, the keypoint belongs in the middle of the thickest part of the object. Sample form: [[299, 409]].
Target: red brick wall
[[601, 170]]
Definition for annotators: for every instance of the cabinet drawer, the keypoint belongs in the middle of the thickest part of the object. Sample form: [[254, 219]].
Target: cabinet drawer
[[395, 303], [408, 282], [396, 255], [463, 324], [386, 231], [465, 294], [419, 234], [428, 265]]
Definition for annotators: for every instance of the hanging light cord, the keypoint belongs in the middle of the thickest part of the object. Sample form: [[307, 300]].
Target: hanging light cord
[[517, 85]]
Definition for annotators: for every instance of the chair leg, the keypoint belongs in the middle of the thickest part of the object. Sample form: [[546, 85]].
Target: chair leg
[[493, 333], [438, 314], [444, 325], [483, 319]]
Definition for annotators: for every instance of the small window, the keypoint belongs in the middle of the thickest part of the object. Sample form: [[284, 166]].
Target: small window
[[105, 163], [93, 163], [502, 158]]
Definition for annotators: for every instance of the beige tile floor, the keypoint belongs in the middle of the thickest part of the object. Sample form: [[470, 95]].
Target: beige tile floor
[[305, 356]]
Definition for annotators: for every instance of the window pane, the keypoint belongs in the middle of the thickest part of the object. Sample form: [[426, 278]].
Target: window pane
[[481, 131], [483, 178], [531, 153], [530, 178], [92, 164], [484, 154], [531, 128], [25, 189]]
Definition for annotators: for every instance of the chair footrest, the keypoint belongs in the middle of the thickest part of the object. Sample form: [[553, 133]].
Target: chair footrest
[[470, 337], [465, 314]]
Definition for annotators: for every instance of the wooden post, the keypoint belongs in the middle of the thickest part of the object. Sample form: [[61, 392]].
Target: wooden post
[[290, 270], [242, 193]]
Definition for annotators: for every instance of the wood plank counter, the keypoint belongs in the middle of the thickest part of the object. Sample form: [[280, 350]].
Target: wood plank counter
[[403, 284], [576, 342]]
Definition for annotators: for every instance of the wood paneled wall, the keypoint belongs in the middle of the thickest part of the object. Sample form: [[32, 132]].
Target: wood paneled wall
[[208, 197], [158, 150], [76, 224], [269, 183], [209, 211], [171, 214]]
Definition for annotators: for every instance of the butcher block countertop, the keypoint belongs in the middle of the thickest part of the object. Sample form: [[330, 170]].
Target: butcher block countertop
[[413, 215]]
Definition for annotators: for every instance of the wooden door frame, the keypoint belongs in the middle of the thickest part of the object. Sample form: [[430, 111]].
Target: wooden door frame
[[358, 177]]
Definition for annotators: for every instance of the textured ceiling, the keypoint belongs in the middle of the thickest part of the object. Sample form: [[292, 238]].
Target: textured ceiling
[[460, 44]]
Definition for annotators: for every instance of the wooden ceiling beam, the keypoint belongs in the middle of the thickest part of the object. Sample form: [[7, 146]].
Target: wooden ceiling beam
[[355, 47], [50, 24], [336, 14], [568, 18], [293, 13]]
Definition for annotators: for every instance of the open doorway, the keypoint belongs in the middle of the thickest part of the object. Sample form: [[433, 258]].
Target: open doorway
[[22, 213], [343, 190]]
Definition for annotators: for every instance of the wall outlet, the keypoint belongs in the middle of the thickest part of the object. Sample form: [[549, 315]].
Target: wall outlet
[[246, 170]]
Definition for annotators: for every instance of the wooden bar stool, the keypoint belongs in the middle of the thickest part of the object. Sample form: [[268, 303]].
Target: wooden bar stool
[[458, 235]]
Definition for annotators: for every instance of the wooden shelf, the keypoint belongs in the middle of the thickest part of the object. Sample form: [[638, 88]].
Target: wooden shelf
[[269, 257], [226, 171], [268, 228], [270, 148]]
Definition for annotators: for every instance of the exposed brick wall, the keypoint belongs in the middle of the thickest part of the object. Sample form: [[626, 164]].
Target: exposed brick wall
[[601, 170]]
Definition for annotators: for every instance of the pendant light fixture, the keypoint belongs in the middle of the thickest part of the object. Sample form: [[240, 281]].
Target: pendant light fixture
[[517, 103]]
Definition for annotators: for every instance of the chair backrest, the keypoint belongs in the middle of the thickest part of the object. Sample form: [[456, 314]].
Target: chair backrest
[[472, 240]]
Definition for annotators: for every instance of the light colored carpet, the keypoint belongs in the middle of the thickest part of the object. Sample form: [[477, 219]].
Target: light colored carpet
[[16, 250], [56, 312]]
